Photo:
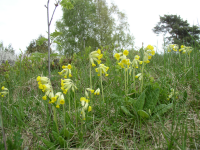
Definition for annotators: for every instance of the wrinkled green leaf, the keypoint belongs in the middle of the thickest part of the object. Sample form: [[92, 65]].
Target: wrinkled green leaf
[[151, 99], [162, 108], [143, 114], [140, 101], [126, 111]]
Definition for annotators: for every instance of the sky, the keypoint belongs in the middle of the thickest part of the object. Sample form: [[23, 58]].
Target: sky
[[22, 21]]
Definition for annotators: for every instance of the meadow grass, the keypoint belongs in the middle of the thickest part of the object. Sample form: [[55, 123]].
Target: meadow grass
[[29, 124]]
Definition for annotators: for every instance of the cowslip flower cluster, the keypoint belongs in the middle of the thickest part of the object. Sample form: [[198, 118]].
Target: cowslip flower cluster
[[59, 98], [123, 59], [67, 84], [66, 71], [173, 47], [4, 91], [95, 56], [85, 106], [97, 92], [172, 93], [136, 61], [148, 53], [45, 85], [88, 90], [186, 49], [139, 75], [102, 69]]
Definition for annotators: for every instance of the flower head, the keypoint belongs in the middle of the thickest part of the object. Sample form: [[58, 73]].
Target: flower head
[[102, 69], [95, 56]]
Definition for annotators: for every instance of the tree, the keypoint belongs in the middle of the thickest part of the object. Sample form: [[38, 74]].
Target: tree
[[91, 23], [179, 30], [9, 48], [34, 47]]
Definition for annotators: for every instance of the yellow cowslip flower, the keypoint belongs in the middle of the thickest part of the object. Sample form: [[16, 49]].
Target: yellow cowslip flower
[[47, 87], [44, 97], [102, 69], [4, 93], [89, 108], [121, 65], [139, 75], [69, 66], [135, 63], [65, 72], [145, 59], [137, 57], [89, 89], [172, 93], [97, 92], [95, 56], [149, 47], [48, 94], [84, 103], [149, 57], [172, 47], [60, 99], [3, 88], [152, 52], [99, 51], [117, 55], [43, 80], [86, 91], [140, 62], [67, 84], [125, 52]]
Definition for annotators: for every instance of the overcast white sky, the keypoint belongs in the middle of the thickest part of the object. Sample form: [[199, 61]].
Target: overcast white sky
[[24, 20]]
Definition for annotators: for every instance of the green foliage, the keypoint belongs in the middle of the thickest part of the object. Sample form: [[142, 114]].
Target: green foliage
[[66, 4], [9, 48], [140, 101], [14, 142], [146, 105], [151, 99], [91, 23], [179, 30], [38, 45]]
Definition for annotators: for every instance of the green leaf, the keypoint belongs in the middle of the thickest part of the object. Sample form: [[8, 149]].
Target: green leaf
[[57, 42], [55, 135], [49, 144], [126, 111], [41, 41], [55, 34], [42, 147], [162, 108], [151, 99], [66, 133], [62, 142], [143, 114], [184, 98], [140, 101]]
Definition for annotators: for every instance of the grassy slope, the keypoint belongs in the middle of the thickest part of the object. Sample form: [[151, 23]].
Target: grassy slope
[[108, 127]]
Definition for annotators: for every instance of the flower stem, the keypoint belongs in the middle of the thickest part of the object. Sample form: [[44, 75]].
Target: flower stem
[[75, 110], [141, 86], [55, 118], [102, 87]]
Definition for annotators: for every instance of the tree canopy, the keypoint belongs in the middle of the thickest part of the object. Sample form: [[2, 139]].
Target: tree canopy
[[179, 30], [35, 47], [92, 23], [9, 48]]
